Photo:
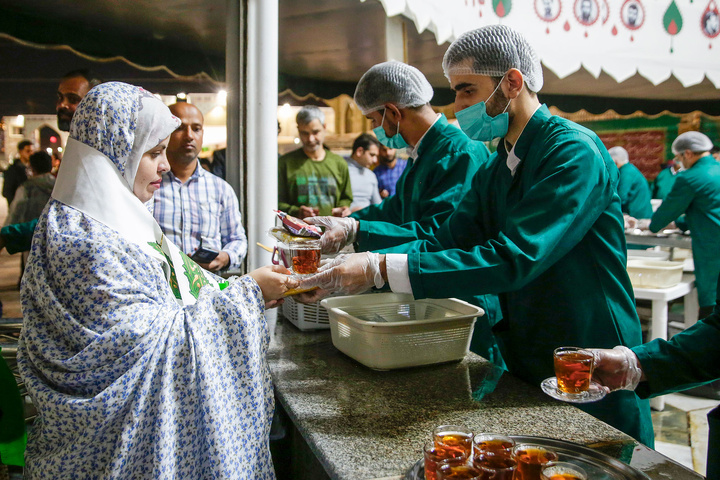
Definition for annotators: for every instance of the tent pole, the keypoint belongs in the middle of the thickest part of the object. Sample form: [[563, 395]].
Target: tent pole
[[252, 61]]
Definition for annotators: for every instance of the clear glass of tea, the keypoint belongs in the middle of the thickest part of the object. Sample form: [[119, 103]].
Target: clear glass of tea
[[305, 256], [530, 460], [496, 465], [454, 437], [562, 471], [491, 442], [458, 469], [434, 454], [573, 369]]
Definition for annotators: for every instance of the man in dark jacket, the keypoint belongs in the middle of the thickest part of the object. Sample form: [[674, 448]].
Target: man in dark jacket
[[16, 174]]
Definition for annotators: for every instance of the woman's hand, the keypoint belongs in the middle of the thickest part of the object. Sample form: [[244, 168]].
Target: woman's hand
[[274, 281]]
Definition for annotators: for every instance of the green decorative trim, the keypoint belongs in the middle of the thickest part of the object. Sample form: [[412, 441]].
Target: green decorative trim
[[196, 277], [174, 285]]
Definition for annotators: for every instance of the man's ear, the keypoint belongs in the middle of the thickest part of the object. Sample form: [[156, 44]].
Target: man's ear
[[515, 83], [395, 113]]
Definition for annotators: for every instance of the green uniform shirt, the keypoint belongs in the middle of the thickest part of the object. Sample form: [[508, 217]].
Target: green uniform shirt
[[696, 193], [550, 241], [18, 236], [428, 191], [689, 359], [663, 183], [634, 192], [302, 181]]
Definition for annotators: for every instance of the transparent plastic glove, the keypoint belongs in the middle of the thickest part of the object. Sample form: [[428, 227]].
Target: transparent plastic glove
[[617, 368], [357, 273], [327, 263], [630, 222], [643, 223], [338, 232]]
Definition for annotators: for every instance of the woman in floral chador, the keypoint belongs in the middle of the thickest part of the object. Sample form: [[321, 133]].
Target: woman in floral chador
[[141, 364]]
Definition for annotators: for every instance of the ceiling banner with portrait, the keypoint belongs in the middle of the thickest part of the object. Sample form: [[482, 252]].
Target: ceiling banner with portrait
[[655, 38]]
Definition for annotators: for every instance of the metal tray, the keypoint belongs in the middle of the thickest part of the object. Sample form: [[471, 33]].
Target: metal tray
[[597, 465]]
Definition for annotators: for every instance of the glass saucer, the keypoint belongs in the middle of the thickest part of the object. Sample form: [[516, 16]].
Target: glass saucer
[[593, 394]]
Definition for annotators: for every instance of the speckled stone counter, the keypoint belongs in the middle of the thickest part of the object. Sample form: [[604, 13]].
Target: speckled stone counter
[[365, 424]]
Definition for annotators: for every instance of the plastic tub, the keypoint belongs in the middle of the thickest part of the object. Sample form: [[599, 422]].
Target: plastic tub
[[654, 273], [387, 330]]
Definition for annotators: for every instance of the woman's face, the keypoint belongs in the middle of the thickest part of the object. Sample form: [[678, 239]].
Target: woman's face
[[153, 164]]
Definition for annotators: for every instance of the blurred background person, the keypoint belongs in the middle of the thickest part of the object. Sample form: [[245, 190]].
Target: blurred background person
[[364, 183], [696, 196], [632, 187], [666, 178], [34, 193], [18, 171], [388, 171], [312, 180]]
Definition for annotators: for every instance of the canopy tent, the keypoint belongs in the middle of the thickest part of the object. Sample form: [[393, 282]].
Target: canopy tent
[[326, 45]]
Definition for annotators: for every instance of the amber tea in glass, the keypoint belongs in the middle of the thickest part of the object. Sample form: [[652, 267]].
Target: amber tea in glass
[[454, 437], [458, 469], [573, 369], [435, 454], [530, 460], [490, 442], [496, 465], [562, 471], [305, 258]]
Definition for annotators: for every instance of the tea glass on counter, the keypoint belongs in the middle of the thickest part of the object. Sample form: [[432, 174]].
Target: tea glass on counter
[[573, 369], [458, 469], [454, 437], [562, 471], [490, 442], [530, 460], [434, 454], [496, 465]]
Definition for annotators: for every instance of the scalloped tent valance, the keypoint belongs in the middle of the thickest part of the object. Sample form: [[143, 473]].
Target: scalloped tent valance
[[655, 38]]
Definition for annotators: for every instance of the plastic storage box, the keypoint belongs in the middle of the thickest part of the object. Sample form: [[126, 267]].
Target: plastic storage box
[[388, 330], [654, 273], [305, 317]]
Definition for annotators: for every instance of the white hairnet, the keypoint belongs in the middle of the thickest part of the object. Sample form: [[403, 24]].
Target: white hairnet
[[392, 82], [619, 155], [696, 142], [493, 50]]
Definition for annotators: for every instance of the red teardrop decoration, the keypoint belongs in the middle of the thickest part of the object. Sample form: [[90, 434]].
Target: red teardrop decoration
[[614, 30], [566, 26]]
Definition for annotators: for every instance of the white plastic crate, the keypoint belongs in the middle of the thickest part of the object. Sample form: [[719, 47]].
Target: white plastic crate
[[388, 330], [305, 317], [654, 273]]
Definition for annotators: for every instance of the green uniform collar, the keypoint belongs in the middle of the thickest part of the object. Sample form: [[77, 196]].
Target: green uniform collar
[[522, 146], [435, 131]]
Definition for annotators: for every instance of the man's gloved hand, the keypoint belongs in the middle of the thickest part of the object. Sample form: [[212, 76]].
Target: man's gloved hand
[[630, 222], [339, 232], [643, 223], [347, 275], [617, 368]]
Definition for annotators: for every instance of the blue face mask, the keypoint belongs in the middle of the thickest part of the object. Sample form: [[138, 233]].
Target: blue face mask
[[396, 141], [478, 125]]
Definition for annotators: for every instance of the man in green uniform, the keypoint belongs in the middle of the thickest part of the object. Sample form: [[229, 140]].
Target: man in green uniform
[[632, 187], [312, 180], [696, 193], [541, 227], [666, 179], [396, 98], [660, 367]]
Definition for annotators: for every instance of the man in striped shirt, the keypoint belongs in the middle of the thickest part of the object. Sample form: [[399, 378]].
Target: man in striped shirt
[[194, 208]]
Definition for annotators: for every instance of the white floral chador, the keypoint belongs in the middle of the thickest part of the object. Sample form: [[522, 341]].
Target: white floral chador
[[140, 363]]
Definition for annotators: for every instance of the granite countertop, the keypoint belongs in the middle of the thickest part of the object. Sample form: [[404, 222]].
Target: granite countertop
[[367, 424]]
